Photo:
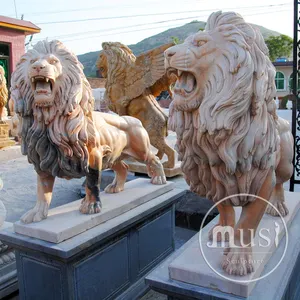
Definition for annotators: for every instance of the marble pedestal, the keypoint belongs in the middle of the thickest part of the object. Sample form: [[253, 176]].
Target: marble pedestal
[[202, 283], [108, 261], [5, 141]]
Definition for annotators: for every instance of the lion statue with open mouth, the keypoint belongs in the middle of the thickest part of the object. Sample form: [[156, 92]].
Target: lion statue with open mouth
[[229, 137], [63, 137]]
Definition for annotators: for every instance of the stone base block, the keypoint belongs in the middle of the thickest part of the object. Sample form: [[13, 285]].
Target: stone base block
[[191, 266], [5, 141], [66, 221], [108, 261]]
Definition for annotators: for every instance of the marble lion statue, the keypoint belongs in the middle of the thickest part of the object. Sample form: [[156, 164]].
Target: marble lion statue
[[3, 93], [229, 138], [63, 137], [132, 83]]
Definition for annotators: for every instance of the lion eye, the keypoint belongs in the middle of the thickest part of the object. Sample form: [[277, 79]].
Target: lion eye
[[53, 61], [201, 43], [33, 61]]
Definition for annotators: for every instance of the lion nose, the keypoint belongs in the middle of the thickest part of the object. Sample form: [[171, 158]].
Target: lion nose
[[38, 67], [170, 53]]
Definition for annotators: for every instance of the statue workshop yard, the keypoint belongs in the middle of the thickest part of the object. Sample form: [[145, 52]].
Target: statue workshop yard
[[138, 162]]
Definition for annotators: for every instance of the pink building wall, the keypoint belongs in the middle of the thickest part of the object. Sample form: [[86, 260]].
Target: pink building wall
[[16, 40]]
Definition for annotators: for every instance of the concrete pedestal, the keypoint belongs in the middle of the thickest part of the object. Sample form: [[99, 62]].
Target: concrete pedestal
[[108, 261], [8, 270], [281, 284], [5, 141]]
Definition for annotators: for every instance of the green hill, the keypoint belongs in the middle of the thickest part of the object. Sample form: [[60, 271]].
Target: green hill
[[89, 59]]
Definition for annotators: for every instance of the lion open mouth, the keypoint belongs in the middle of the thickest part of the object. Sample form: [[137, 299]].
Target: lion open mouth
[[186, 82], [43, 90]]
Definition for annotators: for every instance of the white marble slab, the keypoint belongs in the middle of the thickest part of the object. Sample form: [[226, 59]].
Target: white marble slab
[[191, 267], [66, 221]]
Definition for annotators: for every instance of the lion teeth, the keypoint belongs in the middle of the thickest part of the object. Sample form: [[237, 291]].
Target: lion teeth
[[47, 79], [32, 79], [179, 73]]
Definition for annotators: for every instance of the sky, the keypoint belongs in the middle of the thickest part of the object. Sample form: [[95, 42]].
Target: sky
[[82, 25]]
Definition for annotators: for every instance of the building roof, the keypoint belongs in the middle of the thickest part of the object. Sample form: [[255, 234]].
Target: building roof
[[283, 63], [25, 26]]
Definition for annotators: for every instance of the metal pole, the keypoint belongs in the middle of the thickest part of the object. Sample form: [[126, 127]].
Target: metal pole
[[16, 9], [295, 92]]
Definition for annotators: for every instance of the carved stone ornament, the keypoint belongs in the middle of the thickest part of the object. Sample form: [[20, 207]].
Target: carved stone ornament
[[63, 137], [132, 83], [229, 137]]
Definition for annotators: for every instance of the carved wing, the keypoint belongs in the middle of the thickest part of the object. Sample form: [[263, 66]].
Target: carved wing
[[148, 69]]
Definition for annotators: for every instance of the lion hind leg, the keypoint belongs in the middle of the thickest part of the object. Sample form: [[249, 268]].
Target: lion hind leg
[[284, 171], [155, 170], [120, 169], [164, 148], [277, 199]]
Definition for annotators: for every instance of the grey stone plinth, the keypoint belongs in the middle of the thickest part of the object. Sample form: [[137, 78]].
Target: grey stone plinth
[[66, 221], [8, 270], [105, 262], [281, 284]]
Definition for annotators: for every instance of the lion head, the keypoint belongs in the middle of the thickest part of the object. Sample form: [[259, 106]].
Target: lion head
[[118, 58], [54, 100], [3, 88], [223, 109], [102, 64]]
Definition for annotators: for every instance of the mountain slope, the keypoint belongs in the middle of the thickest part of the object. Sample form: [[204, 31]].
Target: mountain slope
[[89, 59]]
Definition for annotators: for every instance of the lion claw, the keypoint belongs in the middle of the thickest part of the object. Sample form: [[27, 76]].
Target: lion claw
[[113, 188], [33, 215], [90, 208], [158, 180], [281, 207]]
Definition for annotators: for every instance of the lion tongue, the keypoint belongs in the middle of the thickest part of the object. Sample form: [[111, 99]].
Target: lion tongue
[[42, 86], [188, 82]]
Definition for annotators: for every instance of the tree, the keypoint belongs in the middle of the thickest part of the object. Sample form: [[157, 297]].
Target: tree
[[176, 40], [279, 46]]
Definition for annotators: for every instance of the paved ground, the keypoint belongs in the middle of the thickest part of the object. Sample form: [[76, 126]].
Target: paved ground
[[18, 194], [19, 188]]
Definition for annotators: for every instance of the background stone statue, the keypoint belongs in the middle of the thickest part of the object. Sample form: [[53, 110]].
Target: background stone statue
[[131, 87], [230, 139], [63, 137], [3, 93]]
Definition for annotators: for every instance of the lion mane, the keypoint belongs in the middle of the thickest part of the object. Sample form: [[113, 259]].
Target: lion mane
[[227, 136], [55, 138], [3, 88]]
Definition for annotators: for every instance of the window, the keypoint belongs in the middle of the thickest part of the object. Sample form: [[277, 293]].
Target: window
[[280, 81]]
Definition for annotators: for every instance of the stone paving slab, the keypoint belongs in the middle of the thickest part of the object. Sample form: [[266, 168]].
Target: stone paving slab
[[19, 188]]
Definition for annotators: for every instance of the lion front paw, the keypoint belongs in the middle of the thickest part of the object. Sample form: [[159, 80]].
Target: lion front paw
[[87, 207], [238, 261], [113, 188], [220, 233], [159, 179], [280, 207], [35, 215]]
